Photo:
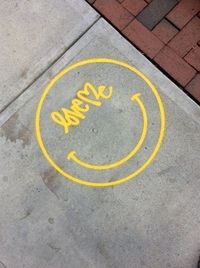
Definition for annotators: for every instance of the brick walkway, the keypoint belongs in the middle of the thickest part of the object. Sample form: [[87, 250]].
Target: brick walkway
[[167, 32]]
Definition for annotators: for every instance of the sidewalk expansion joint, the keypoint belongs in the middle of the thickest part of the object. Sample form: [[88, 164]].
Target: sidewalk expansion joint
[[48, 67]]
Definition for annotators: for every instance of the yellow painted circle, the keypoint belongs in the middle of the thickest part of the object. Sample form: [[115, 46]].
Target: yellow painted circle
[[121, 180]]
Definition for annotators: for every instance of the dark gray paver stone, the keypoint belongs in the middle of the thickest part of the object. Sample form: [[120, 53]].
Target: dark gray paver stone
[[155, 12]]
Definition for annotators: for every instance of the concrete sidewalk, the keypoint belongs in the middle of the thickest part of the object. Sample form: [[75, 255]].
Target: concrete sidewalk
[[47, 220], [33, 35]]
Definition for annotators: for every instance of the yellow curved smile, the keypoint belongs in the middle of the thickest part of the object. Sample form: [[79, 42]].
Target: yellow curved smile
[[72, 155]]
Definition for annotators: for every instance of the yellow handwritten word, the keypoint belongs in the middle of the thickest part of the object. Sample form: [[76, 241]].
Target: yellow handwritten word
[[80, 105]]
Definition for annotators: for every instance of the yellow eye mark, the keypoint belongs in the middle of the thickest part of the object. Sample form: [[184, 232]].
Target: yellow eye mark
[[72, 155]]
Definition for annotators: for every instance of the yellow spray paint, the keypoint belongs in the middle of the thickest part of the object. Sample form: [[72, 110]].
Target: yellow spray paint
[[72, 154], [89, 95], [161, 122]]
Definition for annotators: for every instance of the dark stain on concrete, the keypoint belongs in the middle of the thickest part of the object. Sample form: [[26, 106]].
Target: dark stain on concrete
[[49, 178], [14, 130], [2, 265], [51, 220], [56, 249], [24, 73], [165, 171], [102, 250], [94, 130], [171, 180], [27, 214]]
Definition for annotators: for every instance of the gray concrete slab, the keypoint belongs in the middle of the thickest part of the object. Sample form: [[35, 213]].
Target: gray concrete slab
[[151, 221], [33, 35]]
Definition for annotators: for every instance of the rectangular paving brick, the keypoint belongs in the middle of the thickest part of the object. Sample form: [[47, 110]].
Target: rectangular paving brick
[[186, 38], [180, 70], [155, 12], [165, 31], [194, 87], [134, 6], [184, 12], [143, 38], [114, 12], [193, 58]]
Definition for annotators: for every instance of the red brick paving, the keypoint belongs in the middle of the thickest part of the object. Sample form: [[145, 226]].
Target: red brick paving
[[134, 6], [187, 38], [143, 38], [193, 58], [184, 12], [115, 12], [167, 31], [180, 70], [194, 87]]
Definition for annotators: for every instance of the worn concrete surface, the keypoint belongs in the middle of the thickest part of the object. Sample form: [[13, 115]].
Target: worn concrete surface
[[33, 35], [150, 221]]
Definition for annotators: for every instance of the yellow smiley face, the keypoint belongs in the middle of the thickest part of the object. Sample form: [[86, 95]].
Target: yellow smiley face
[[72, 117]]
